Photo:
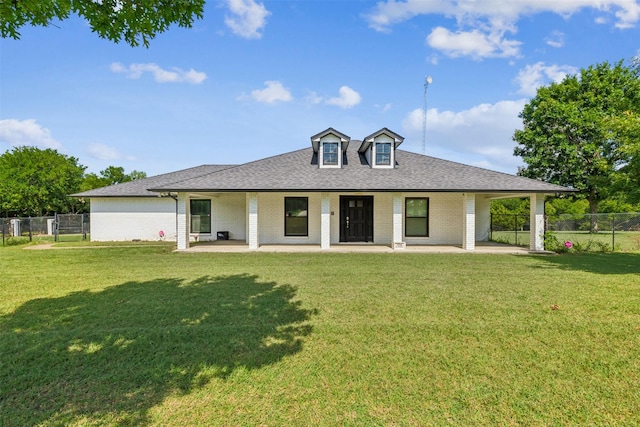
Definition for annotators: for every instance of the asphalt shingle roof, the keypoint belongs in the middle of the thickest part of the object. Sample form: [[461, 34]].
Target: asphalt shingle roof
[[139, 187], [297, 171]]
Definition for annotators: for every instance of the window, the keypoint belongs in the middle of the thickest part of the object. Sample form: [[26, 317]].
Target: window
[[330, 153], [383, 153], [200, 216], [416, 217], [295, 216]]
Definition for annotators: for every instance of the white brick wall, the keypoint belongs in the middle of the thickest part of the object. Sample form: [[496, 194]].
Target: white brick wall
[[536, 218], [142, 218], [398, 218], [271, 218], [445, 219], [469, 221], [382, 218], [253, 208], [129, 218], [325, 221], [228, 213], [182, 221]]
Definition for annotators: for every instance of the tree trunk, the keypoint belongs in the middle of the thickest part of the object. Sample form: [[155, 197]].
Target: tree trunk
[[593, 209]]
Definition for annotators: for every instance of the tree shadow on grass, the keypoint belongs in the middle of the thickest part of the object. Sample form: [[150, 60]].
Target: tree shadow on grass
[[112, 355], [599, 263]]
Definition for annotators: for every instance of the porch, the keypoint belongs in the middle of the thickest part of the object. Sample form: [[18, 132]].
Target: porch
[[347, 221]]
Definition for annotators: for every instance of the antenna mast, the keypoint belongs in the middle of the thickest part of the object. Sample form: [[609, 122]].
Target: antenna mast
[[427, 82]]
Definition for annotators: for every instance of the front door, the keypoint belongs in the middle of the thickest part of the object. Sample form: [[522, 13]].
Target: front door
[[356, 218]]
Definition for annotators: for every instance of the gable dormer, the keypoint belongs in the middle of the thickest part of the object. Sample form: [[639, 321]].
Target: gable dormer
[[329, 146], [379, 148]]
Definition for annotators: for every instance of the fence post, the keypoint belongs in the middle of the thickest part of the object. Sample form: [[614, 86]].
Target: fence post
[[30, 233], [515, 226], [613, 232], [84, 229], [3, 228], [55, 227]]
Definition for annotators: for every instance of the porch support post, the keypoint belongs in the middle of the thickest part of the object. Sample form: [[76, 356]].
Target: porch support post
[[182, 223], [325, 222], [398, 243], [536, 222], [469, 221], [253, 221]]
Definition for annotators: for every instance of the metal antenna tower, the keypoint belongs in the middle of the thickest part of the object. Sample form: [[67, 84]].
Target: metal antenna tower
[[427, 82]]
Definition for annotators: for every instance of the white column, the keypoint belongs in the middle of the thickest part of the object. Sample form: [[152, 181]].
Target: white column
[[536, 222], [469, 221], [398, 243], [253, 221], [325, 222], [182, 225]]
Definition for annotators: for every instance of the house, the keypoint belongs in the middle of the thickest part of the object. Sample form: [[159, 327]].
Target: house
[[337, 190]]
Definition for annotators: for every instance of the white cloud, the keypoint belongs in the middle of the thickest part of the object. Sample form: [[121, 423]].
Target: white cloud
[[628, 16], [556, 39], [248, 18], [473, 43], [174, 75], [391, 12], [347, 98], [313, 98], [531, 77], [482, 24], [274, 92], [104, 152], [26, 132], [480, 135]]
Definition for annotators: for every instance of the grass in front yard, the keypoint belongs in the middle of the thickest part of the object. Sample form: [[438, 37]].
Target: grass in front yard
[[124, 336]]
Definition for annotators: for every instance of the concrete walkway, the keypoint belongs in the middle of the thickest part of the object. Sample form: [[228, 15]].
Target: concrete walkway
[[239, 246]]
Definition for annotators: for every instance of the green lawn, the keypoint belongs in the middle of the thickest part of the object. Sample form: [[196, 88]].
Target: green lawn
[[145, 336]]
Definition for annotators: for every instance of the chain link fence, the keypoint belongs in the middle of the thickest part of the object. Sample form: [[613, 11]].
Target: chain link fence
[[60, 227], [604, 232]]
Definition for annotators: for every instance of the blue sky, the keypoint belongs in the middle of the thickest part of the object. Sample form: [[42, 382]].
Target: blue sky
[[254, 79]]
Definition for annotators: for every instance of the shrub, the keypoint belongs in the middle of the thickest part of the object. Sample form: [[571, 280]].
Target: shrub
[[17, 240], [551, 243]]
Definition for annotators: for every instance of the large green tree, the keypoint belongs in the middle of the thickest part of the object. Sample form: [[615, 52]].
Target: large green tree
[[576, 132], [134, 21], [626, 128], [110, 176], [36, 182]]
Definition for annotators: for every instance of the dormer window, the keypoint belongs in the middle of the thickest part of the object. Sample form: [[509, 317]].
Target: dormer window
[[330, 153], [380, 148], [383, 153], [329, 148]]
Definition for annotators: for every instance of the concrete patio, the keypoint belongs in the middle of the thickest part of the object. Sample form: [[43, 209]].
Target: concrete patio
[[241, 246]]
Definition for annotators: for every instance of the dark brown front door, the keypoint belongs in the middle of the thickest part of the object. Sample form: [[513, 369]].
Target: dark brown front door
[[356, 218]]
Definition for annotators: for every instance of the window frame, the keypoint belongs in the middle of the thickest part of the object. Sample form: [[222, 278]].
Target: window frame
[[407, 217], [287, 233], [191, 215], [387, 154], [327, 144]]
